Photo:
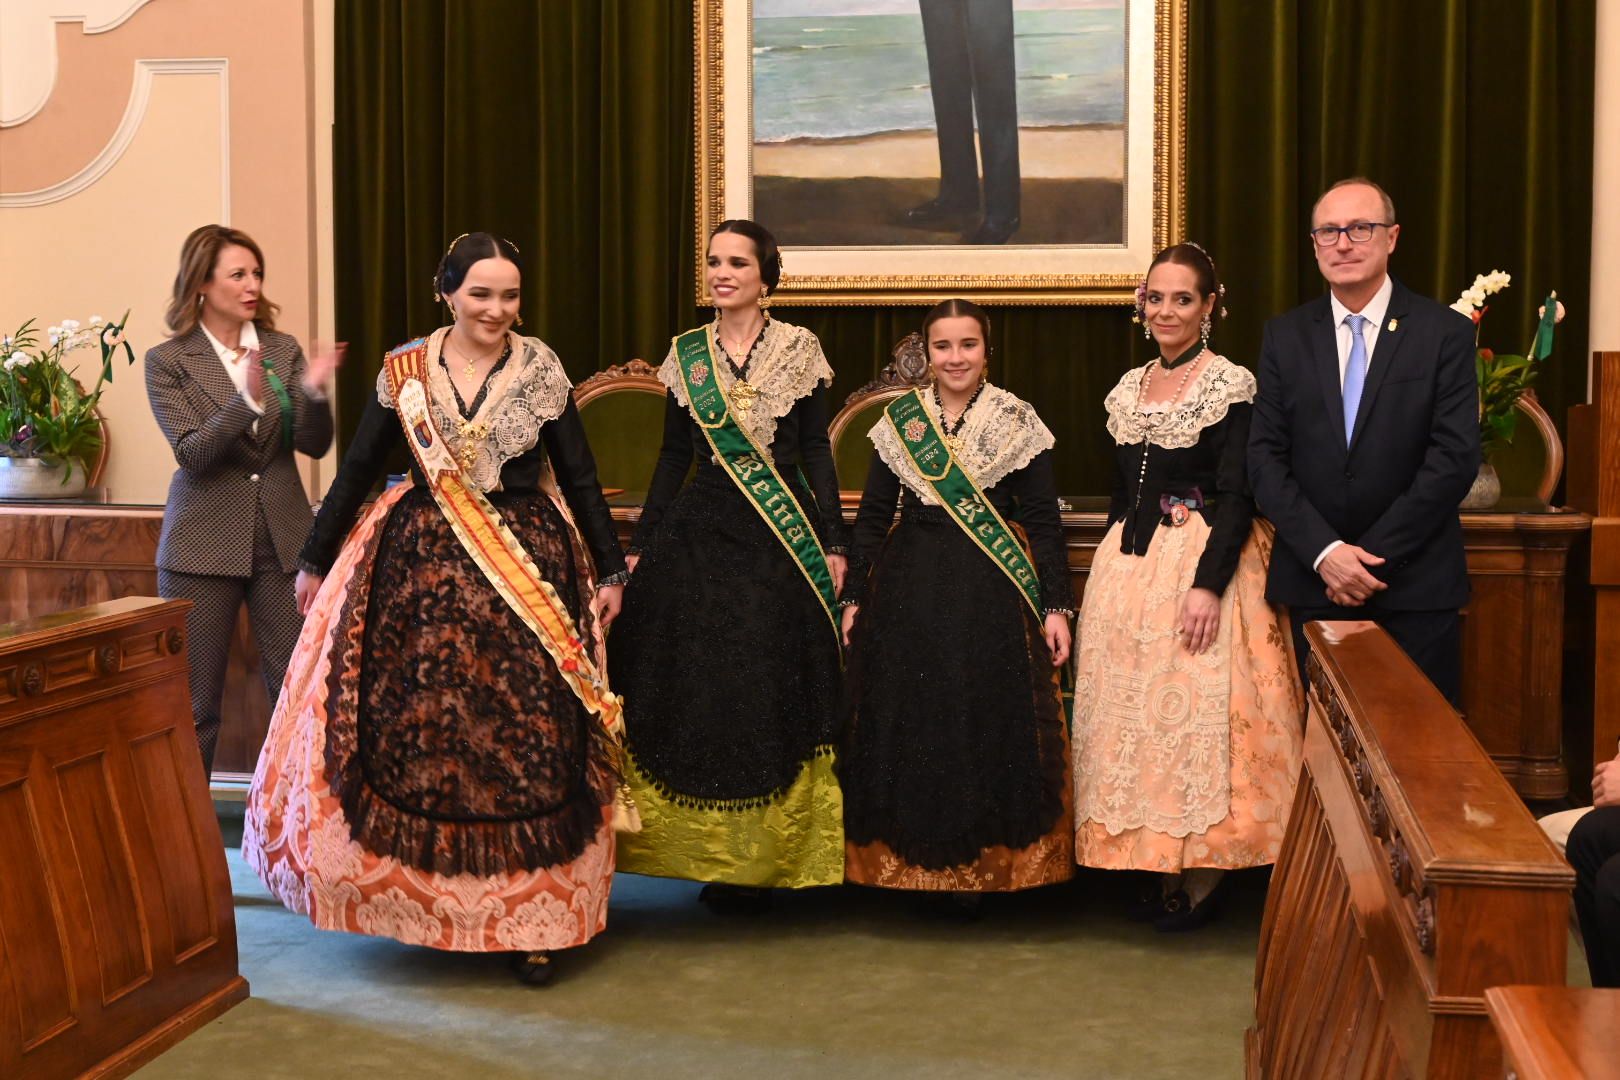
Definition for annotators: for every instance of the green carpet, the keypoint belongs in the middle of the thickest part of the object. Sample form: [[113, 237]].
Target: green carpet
[[841, 982]]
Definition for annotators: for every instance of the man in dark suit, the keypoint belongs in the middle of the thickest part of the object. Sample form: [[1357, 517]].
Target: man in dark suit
[[1365, 437], [971, 70]]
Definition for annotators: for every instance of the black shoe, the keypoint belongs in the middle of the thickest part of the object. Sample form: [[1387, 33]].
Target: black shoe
[[1181, 914], [1149, 904], [939, 212], [725, 899], [534, 968], [992, 232]]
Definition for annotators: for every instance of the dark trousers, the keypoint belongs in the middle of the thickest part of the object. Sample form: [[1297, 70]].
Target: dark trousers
[[215, 602], [1594, 851], [971, 70], [1433, 639]]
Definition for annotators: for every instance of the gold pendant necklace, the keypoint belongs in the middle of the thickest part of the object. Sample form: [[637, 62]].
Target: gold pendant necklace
[[471, 366], [743, 392]]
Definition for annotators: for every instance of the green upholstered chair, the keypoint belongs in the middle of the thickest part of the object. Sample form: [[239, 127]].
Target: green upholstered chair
[[622, 409], [1533, 462], [852, 451]]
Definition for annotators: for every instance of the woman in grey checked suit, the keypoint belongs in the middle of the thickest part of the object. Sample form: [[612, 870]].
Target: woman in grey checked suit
[[235, 398]]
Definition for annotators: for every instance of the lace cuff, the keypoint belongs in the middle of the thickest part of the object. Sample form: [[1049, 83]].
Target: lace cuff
[[620, 578]]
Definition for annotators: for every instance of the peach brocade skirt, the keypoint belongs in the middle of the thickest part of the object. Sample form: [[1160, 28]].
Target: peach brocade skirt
[[1182, 761], [298, 841]]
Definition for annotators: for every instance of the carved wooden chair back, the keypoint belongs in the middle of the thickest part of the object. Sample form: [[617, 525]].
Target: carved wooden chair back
[[907, 368], [622, 409]]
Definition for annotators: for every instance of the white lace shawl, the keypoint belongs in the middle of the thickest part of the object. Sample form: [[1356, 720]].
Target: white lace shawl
[[788, 364], [1002, 435], [1212, 394], [531, 391]]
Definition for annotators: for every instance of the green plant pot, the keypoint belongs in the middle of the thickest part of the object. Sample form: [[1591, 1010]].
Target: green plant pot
[[30, 478]]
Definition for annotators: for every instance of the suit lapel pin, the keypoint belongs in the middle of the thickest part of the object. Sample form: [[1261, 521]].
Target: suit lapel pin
[[1394, 324]]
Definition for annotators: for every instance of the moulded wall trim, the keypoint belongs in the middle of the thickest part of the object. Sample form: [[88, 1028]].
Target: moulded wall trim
[[134, 113], [117, 19]]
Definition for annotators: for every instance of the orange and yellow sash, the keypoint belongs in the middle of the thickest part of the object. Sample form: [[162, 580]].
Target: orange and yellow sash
[[493, 546]]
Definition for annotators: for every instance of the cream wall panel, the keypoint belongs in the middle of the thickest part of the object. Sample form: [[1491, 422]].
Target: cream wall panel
[[116, 244]]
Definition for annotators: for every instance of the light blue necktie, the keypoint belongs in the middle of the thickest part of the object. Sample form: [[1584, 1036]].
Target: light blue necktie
[[1355, 374]]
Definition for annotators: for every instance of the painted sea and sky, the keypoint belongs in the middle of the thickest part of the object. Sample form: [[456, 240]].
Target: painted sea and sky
[[827, 69], [843, 119]]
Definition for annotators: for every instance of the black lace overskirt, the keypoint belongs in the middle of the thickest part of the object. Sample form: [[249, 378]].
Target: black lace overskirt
[[726, 659], [466, 752], [953, 740]]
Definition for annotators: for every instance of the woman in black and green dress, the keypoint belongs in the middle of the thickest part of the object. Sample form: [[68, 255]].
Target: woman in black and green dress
[[727, 652], [955, 753]]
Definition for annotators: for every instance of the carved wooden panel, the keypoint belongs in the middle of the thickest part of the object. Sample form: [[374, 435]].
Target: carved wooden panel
[[106, 874], [187, 900], [32, 936], [116, 928], [1411, 878]]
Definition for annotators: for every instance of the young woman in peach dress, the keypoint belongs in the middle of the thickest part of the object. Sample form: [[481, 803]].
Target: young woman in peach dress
[[1188, 710]]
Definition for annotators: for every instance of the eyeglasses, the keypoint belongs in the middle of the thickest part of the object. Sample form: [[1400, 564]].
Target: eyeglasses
[[1359, 232]]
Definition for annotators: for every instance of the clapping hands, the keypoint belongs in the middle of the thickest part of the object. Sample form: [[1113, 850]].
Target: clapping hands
[[322, 363]]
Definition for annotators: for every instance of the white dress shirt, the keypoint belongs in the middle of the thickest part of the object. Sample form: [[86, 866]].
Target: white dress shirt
[[235, 362], [1374, 310]]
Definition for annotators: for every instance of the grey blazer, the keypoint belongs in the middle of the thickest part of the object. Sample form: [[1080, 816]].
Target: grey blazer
[[227, 473]]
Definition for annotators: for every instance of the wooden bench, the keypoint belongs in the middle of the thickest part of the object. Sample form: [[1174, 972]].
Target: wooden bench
[[1412, 877]]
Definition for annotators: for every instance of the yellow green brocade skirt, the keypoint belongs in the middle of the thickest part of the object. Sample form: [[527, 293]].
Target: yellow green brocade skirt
[[793, 840]]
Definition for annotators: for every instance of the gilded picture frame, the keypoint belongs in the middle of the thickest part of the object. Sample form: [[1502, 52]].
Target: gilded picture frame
[[795, 100]]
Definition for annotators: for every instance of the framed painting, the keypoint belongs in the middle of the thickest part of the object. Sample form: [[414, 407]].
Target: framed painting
[[1018, 151]]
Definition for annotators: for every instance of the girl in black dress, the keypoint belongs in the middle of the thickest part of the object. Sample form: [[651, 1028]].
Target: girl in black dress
[[955, 754]]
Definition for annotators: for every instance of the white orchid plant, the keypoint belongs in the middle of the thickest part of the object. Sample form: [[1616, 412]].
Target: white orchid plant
[[44, 411], [1504, 379]]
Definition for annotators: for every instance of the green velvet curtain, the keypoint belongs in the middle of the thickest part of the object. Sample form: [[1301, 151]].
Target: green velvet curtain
[[565, 125]]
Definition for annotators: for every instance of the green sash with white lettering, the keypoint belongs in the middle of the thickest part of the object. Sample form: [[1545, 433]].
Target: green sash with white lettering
[[969, 507], [751, 468]]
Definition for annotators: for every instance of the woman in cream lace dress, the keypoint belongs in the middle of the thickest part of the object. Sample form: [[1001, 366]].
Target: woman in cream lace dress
[[1188, 712]]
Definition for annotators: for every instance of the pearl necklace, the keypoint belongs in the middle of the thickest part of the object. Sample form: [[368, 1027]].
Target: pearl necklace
[[1187, 364]]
